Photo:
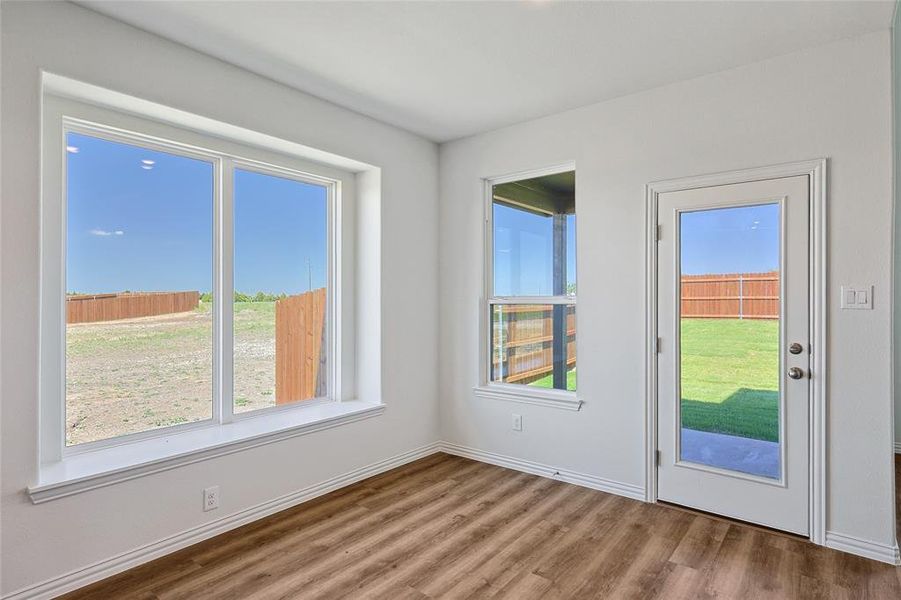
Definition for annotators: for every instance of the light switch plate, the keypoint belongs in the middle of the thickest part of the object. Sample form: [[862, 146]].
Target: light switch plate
[[857, 297]]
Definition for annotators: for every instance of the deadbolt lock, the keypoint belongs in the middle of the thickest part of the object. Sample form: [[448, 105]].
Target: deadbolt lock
[[796, 348]]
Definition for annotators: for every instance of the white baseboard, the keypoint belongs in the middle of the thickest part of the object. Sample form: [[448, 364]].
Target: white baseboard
[[865, 548], [837, 541], [132, 558], [590, 481]]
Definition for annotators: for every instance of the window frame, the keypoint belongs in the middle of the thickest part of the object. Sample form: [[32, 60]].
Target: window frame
[[61, 116], [514, 391], [332, 341]]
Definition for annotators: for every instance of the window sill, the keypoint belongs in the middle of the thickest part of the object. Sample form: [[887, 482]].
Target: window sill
[[99, 468], [541, 397]]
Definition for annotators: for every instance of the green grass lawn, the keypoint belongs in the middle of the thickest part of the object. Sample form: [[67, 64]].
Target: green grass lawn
[[255, 318], [730, 371], [548, 381]]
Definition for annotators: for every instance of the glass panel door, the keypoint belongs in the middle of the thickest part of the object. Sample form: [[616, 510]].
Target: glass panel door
[[729, 281], [733, 362]]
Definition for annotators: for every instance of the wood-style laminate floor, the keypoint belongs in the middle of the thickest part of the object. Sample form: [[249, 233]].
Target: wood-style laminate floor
[[448, 527]]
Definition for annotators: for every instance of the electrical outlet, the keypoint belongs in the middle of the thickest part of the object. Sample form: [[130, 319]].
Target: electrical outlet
[[517, 422], [211, 498]]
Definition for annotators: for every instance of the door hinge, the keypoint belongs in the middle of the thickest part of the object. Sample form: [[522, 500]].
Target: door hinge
[[659, 344], [657, 457], [659, 232]]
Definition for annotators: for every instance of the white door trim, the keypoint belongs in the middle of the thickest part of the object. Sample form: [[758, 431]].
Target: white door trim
[[816, 171]]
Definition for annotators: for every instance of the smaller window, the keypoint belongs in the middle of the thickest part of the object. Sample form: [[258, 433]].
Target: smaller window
[[532, 300], [281, 291]]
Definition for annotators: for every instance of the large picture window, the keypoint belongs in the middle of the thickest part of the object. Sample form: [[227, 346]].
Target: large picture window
[[196, 285], [532, 281], [139, 265]]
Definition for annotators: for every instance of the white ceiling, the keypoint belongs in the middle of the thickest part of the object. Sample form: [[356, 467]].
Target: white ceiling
[[450, 69]]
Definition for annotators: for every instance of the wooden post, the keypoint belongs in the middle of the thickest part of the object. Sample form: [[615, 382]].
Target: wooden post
[[559, 323]]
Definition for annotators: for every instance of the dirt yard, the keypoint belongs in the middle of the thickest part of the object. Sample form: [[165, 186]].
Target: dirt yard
[[138, 374]]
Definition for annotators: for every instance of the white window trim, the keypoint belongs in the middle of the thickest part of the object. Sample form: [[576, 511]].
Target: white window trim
[[107, 466], [56, 460], [562, 399]]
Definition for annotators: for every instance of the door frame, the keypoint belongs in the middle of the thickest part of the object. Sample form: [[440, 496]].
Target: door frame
[[815, 170]]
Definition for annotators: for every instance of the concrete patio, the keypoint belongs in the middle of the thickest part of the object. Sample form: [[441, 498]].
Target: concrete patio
[[755, 457]]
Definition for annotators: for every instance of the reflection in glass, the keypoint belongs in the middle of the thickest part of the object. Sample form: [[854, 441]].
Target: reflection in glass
[[729, 338], [534, 235], [281, 275], [139, 263]]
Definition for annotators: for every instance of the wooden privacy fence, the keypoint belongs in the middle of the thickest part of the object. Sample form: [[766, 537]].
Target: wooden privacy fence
[[127, 305], [731, 296], [300, 359], [523, 341]]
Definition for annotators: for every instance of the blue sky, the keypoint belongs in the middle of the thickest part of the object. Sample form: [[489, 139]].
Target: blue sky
[[730, 240], [143, 221], [523, 252], [280, 225]]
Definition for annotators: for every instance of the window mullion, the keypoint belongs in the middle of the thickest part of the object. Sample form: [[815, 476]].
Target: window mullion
[[333, 293], [225, 292], [568, 300]]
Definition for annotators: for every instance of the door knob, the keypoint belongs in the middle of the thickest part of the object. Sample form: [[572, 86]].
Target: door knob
[[796, 373]]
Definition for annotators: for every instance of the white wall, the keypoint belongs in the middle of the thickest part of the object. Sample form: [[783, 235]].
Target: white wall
[[48, 540], [896, 99], [831, 101]]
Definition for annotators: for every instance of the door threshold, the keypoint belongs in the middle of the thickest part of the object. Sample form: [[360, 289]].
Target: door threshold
[[734, 521]]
